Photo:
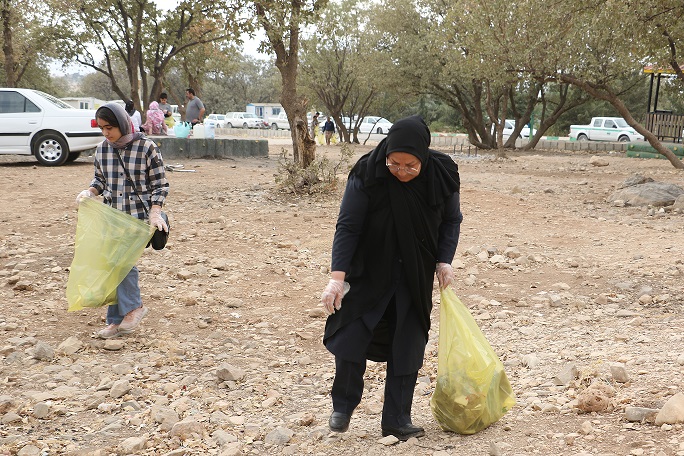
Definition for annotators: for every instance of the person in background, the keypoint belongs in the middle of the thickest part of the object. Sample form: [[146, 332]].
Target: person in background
[[194, 110], [167, 109], [154, 121], [134, 114], [398, 225], [124, 145], [328, 130], [314, 125]]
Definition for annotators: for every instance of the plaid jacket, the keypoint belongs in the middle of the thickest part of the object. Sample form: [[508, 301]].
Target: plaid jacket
[[144, 163]]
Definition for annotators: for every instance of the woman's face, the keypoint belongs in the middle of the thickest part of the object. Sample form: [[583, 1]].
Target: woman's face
[[110, 132], [404, 166]]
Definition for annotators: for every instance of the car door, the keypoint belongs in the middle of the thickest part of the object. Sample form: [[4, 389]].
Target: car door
[[20, 118], [609, 131]]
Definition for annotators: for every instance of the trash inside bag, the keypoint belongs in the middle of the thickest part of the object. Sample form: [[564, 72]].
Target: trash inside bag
[[472, 389], [108, 244]]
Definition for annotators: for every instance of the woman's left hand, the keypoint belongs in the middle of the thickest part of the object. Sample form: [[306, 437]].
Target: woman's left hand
[[156, 219], [445, 274]]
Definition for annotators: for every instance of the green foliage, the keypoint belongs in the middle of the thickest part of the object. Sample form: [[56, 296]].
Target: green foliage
[[318, 178]]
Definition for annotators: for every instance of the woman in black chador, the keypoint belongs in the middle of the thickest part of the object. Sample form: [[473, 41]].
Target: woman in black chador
[[399, 222]]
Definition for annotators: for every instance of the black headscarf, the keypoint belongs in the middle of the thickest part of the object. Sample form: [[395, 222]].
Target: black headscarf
[[402, 215]]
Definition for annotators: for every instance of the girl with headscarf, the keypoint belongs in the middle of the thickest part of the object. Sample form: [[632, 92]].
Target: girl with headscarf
[[125, 147], [154, 121], [398, 224]]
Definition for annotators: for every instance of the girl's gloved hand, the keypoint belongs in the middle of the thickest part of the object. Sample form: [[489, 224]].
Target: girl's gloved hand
[[156, 219], [333, 294], [445, 274], [84, 194]]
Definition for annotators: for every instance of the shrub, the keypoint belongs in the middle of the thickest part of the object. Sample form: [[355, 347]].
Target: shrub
[[320, 177]]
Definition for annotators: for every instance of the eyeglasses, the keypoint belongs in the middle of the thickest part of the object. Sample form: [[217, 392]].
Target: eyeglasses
[[408, 170]]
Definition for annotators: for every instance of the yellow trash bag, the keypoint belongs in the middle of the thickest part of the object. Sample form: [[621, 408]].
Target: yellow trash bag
[[108, 244], [472, 389]]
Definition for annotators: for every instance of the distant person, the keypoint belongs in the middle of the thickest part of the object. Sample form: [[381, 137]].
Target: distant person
[[167, 109], [123, 145], [135, 115], [328, 130], [154, 121], [314, 125], [398, 225], [194, 110]]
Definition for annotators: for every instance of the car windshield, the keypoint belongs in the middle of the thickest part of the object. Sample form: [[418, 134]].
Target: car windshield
[[55, 101], [249, 115], [220, 117], [621, 123]]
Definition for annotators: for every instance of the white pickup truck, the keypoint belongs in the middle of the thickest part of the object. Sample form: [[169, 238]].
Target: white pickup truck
[[605, 129], [279, 122]]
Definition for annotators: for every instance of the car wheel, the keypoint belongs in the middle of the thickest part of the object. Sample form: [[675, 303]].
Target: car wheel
[[274, 126], [582, 137], [379, 131], [229, 125], [623, 138], [51, 150], [73, 156], [244, 125]]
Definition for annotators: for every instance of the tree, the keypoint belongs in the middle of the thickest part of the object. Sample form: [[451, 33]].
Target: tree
[[143, 38], [470, 55], [282, 22], [606, 54], [27, 32], [344, 68]]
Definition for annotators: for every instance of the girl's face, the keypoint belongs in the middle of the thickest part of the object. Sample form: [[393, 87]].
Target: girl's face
[[404, 166], [110, 132]]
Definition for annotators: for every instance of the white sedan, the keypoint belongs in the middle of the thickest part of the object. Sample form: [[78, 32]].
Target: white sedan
[[374, 124], [35, 123]]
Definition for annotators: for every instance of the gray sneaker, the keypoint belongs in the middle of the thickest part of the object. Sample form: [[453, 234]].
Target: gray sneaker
[[133, 319]]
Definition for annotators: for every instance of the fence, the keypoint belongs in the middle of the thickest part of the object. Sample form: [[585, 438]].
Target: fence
[[665, 125]]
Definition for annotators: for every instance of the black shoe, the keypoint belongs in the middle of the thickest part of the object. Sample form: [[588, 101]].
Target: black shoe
[[339, 422], [403, 433]]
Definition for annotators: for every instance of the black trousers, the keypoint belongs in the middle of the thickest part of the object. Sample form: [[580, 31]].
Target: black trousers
[[347, 390]]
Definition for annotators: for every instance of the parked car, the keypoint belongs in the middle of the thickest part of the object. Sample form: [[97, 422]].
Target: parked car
[[217, 120], [509, 127], [35, 123], [605, 129], [243, 120], [375, 124], [279, 122]]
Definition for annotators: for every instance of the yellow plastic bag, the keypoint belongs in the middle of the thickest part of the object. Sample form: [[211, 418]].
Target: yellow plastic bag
[[108, 244], [472, 389]]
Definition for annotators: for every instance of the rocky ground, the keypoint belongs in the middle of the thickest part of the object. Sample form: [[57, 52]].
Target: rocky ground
[[571, 291]]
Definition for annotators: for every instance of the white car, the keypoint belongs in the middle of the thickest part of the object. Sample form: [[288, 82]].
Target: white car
[[374, 124], [35, 123], [243, 120], [217, 120], [509, 126]]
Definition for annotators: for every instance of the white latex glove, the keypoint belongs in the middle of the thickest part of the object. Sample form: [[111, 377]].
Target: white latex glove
[[333, 294], [445, 274], [156, 219], [84, 194]]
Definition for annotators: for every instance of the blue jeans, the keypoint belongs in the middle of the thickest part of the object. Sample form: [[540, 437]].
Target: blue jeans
[[127, 296]]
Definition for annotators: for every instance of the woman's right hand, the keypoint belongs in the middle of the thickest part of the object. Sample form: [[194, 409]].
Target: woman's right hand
[[333, 294]]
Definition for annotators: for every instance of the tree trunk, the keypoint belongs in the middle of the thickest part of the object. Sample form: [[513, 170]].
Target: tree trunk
[[7, 48]]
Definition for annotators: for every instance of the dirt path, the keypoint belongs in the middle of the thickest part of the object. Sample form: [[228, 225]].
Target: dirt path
[[592, 285]]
